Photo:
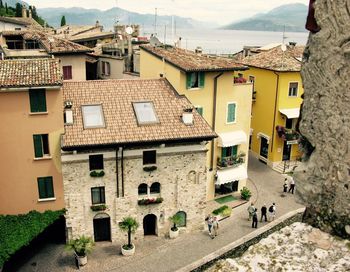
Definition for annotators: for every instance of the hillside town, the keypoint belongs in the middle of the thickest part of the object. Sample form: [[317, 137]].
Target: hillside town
[[125, 153]]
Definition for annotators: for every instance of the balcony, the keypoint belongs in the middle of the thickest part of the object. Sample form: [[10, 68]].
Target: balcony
[[286, 134], [239, 80], [230, 162]]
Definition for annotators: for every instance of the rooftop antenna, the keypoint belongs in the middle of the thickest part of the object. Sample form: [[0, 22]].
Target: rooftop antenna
[[283, 45], [155, 21]]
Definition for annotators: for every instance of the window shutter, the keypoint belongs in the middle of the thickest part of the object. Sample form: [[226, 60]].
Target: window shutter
[[41, 96], [201, 79], [200, 110], [103, 68], [224, 152], [41, 187], [234, 150], [108, 68], [33, 99], [188, 80], [49, 187], [38, 150], [231, 113]]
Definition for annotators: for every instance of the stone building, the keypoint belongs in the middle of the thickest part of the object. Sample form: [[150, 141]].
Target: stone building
[[132, 148]]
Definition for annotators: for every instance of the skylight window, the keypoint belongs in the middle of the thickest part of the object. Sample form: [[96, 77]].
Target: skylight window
[[93, 116], [145, 113]]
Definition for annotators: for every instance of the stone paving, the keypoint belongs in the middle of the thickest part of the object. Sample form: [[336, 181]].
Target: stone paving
[[160, 254]]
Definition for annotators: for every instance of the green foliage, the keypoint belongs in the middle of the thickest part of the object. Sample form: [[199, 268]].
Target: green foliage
[[149, 201], [176, 220], [17, 231], [63, 20], [220, 210], [97, 208], [18, 10], [149, 168], [245, 193], [82, 245], [97, 173], [129, 225]]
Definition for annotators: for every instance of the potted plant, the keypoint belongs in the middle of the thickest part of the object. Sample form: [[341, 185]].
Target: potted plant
[[128, 225], [174, 230], [245, 193], [81, 246]]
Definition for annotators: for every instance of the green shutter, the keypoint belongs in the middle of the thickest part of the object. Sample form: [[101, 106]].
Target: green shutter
[[49, 187], [200, 110], [234, 150], [45, 186], [231, 113], [33, 101], [201, 79], [37, 100], [188, 80], [42, 100], [224, 152], [38, 146], [41, 187]]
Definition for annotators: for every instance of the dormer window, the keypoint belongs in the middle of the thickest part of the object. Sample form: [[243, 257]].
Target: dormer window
[[145, 113], [93, 116]]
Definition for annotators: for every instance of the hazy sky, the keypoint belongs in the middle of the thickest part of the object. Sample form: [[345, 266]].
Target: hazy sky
[[219, 11]]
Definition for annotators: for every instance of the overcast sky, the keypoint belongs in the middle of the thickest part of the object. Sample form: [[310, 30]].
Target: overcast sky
[[219, 11]]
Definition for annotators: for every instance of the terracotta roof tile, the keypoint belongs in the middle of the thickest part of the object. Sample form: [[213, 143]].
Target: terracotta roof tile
[[190, 61], [277, 60], [29, 22], [121, 127], [30, 73], [52, 44]]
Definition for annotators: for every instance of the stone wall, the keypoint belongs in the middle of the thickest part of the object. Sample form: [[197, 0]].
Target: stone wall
[[323, 183], [181, 173]]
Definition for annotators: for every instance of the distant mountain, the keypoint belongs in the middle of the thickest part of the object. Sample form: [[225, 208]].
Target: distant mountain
[[81, 16], [292, 17]]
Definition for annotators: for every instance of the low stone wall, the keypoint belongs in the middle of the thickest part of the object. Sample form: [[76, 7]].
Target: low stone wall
[[237, 248]]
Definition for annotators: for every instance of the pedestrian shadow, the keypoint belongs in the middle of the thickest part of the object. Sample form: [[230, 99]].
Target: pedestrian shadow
[[112, 250]]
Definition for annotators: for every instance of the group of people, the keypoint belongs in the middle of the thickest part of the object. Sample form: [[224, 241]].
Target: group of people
[[291, 185], [213, 226], [253, 214]]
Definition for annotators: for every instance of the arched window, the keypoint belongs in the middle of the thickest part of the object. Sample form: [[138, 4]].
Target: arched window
[[183, 216], [155, 188], [143, 189]]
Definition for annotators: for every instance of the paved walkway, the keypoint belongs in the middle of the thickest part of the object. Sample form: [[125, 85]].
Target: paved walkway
[[160, 254]]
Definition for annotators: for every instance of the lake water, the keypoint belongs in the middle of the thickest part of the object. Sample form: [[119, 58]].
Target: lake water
[[219, 41]]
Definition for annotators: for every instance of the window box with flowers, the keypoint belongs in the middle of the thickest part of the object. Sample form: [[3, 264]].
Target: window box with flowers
[[99, 207], [96, 174], [149, 201]]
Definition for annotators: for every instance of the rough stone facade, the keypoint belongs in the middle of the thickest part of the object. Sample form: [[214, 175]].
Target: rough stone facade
[[180, 171], [323, 183]]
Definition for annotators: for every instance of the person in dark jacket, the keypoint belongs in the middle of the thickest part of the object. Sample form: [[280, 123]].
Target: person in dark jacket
[[255, 219], [263, 213]]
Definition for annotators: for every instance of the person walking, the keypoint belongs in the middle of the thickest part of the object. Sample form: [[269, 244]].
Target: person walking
[[285, 186], [292, 185], [263, 213], [272, 212], [255, 219], [209, 220], [215, 227], [251, 210]]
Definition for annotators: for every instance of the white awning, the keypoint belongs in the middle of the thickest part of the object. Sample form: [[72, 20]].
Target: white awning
[[231, 174], [291, 113], [232, 138]]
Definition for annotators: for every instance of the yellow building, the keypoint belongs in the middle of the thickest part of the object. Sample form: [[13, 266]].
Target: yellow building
[[208, 82], [277, 97]]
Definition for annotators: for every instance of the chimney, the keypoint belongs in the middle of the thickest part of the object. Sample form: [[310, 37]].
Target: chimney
[[198, 50], [68, 113], [30, 13], [24, 11], [187, 116]]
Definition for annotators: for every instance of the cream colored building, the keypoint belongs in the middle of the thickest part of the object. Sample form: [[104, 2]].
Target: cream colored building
[[208, 82], [32, 123], [132, 148]]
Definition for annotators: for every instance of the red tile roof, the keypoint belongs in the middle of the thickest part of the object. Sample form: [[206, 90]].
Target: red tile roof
[[277, 60], [189, 61], [121, 127], [30, 73]]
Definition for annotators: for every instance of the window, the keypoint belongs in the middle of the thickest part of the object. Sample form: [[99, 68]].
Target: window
[[143, 189], [32, 44], [229, 151], [96, 162], [293, 89], [155, 188], [231, 113], [195, 80], [93, 116], [289, 123], [45, 186], [106, 68], [67, 72], [149, 157], [200, 110], [145, 113], [98, 195], [37, 99], [41, 145], [182, 215]]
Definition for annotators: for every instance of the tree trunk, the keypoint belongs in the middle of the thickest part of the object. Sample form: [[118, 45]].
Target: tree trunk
[[129, 237], [324, 180]]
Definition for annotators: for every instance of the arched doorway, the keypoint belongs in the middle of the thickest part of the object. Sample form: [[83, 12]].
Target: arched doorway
[[102, 227], [150, 224]]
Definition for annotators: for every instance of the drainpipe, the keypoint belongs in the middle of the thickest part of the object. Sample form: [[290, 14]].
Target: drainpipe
[[117, 170], [214, 119], [274, 114], [122, 169]]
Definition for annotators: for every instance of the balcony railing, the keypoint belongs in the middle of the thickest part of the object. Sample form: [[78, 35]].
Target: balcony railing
[[287, 134], [232, 161], [239, 80]]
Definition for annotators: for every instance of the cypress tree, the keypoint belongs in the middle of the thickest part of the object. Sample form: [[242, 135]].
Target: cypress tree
[[18, 10], [63, 20], [6, 9], [1, 4]]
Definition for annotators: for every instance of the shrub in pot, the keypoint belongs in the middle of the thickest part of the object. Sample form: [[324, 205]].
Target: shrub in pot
[[174, 230], [81, 246], [129, 225], [245, 193]]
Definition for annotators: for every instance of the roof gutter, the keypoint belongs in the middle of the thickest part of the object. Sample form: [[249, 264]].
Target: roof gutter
[[19, 89]]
